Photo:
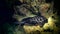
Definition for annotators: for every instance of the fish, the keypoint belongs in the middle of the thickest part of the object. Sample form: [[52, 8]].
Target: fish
[[39, 20]]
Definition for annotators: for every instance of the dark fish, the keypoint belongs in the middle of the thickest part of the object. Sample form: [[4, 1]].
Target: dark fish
[[34, 20]]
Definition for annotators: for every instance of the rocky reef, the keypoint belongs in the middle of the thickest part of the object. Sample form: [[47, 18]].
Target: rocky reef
[[35, 16]]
